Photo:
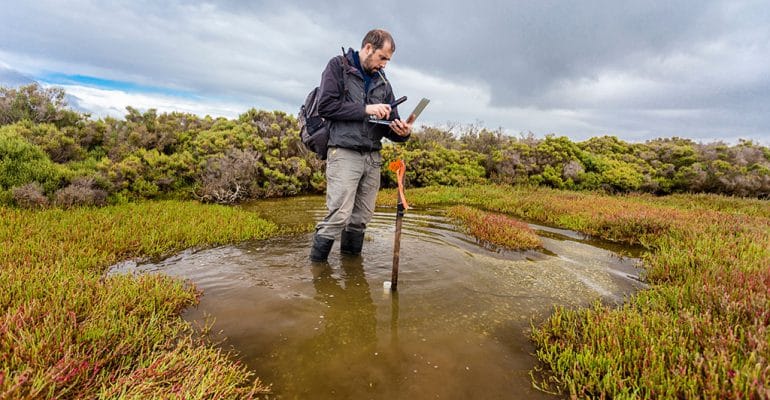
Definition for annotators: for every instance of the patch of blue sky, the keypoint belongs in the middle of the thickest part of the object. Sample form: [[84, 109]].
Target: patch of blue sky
[[56, 78]]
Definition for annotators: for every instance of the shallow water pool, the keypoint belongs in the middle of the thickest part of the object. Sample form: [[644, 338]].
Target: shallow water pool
[[457, 327]]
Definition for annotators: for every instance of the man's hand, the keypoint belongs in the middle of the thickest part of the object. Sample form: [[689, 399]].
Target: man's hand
[[401, 128], [381, 111]]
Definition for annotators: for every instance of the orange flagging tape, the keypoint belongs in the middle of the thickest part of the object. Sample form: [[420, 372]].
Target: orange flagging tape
[[399, 168]]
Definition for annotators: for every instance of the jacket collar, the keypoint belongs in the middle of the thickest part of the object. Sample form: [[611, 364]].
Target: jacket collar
[[351, 67]]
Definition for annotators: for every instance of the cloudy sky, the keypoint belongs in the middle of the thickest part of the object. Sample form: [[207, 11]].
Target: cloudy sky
[[637, 70]]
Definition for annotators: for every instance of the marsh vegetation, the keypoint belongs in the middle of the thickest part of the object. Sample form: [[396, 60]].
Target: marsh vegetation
[[80, 194]]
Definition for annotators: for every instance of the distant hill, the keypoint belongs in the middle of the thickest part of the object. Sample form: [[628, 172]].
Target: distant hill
[[13, 78]]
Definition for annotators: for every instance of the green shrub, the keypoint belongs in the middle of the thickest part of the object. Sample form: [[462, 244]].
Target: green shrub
[[61, 145], [437, 167], [22, 162]]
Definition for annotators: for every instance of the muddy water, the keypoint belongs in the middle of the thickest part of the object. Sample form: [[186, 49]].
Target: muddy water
[[456, 329]]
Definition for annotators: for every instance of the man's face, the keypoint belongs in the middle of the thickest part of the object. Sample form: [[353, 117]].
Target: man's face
[[375, 60]]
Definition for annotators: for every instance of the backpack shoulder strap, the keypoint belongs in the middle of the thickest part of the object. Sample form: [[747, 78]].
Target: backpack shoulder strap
[[344, 58], [345, 64]]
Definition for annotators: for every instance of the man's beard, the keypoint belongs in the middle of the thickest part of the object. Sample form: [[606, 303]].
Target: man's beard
[[366, 67]]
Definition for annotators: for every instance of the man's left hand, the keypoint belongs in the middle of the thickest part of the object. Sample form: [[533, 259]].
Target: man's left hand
[[401, 128]]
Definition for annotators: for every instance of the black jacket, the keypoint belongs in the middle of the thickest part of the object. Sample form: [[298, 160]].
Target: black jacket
[[344, 104]]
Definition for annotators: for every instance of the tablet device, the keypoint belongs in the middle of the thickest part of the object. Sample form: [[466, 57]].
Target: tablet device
[[412, 116]]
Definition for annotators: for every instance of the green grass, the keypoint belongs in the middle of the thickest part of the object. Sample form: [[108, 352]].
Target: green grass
[[495, 229], [67, 331], [700, 331]]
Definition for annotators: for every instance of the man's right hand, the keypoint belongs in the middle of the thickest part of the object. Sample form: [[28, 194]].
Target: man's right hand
[[381, 111]]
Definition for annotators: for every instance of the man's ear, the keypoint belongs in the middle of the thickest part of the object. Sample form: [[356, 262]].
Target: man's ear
[[367, 49]]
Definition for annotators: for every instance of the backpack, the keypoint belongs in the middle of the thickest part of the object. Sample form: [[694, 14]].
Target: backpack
[[314, 129]]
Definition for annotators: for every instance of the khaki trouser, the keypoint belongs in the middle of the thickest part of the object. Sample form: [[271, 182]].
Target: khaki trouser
[[352, 182]]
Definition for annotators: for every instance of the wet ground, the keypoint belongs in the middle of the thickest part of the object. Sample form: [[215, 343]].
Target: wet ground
[[457, 327]]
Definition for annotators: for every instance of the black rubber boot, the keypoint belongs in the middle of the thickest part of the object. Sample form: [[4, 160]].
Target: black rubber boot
[[351, 243], [321, 248]]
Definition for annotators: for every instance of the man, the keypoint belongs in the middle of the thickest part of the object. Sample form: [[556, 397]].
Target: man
[[352, 89]]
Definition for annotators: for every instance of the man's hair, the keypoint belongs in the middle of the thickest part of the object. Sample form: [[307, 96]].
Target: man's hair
[[378, 37]]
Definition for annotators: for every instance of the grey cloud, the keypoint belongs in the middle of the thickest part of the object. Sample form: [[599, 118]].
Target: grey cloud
[[190, 47], [695, 67], [527, 52]]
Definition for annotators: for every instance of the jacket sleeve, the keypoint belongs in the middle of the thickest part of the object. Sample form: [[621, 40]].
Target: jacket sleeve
[[394, 137], [332, 103]]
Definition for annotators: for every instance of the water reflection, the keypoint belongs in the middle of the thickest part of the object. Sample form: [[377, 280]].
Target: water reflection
[[330, 362]]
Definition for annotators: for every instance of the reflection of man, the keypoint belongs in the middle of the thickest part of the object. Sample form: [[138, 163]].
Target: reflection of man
[[350, 318], [352, 89], [332, 360]]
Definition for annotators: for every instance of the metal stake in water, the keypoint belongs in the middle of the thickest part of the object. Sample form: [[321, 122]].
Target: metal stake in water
[[397, 245]]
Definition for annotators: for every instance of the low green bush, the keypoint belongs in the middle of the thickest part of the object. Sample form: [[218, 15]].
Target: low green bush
[[22, 162]]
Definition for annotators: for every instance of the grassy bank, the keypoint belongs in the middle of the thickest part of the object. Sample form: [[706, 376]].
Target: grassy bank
[[66, 331], [701, 331], [495, 229]]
